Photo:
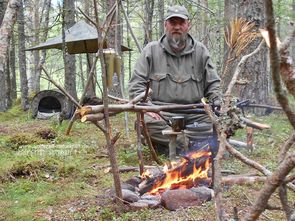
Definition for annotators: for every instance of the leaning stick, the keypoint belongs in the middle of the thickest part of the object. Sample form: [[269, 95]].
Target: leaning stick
[[139, 145], [149, 142], [60, 88], [107, 133]]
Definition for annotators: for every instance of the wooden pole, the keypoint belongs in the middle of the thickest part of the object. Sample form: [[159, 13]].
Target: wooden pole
[[107, 133]]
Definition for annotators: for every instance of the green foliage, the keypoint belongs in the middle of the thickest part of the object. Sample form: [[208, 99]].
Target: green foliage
[[12, 113], [106, 214], [20, 140]]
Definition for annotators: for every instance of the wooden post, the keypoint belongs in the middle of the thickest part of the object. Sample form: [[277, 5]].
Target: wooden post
[[250, 138]]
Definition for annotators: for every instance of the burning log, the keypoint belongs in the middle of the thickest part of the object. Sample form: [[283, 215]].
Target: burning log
[[191, 168]]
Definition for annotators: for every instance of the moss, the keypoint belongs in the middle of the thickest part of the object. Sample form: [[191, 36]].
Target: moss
[[19, 140]]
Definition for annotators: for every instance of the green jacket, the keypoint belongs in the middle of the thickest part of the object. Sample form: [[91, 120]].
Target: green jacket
[[183, 78]]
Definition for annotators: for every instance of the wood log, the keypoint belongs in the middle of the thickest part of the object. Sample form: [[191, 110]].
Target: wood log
[[238, 144], [92, 109], [255, 125], [242, 180]]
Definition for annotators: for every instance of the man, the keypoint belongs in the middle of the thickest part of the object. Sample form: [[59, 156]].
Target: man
[[180, 71]]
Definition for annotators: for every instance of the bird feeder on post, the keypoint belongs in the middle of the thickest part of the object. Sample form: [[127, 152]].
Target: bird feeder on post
[[113, 66]]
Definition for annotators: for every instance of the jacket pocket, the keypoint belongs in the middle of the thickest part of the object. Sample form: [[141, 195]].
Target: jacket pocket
[[183, 89], [158, 82]]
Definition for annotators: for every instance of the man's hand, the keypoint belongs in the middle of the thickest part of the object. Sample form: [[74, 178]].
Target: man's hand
[[154, 115], [216, 104]]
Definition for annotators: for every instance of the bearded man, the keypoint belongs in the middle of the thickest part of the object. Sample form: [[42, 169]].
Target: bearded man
[[180, 71]]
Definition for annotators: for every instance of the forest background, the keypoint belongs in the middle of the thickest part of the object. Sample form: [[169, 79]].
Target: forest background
[[42, 20]]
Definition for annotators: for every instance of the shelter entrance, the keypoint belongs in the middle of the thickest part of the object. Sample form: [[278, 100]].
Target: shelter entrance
[[49, 104]]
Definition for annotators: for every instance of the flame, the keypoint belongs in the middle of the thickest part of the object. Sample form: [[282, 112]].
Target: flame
[[177, 177], [146, 174]]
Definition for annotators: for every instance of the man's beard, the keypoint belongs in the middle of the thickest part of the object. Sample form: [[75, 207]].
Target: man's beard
[[177, 42]]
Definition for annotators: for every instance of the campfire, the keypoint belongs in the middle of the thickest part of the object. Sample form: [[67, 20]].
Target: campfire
[[179, 184], [192, 169]]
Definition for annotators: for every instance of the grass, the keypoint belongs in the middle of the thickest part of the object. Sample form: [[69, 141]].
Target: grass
[[63, 177]]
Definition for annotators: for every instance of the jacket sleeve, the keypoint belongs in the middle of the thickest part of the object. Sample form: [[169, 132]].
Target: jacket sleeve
[[139, 78], [212, 80]]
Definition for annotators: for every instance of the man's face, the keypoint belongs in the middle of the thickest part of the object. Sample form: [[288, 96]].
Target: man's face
[[176, 30]]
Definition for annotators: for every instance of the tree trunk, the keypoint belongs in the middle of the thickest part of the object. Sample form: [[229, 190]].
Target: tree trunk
[[44, 23], [22, 59], [89, 57], [5, 35], [8, 81], [34, 83], [115, 39], [204, 25], [129, 43], [161, 12], [69, 60], [3, 5], [229, 15], [13, 91], [219, 63], [256, 70], [148, 24]]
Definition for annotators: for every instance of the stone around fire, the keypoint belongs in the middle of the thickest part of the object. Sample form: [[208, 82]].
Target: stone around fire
[[183, 198]]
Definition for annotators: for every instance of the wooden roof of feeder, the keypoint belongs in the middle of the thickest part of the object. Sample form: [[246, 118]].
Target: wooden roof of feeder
[[80, 38]]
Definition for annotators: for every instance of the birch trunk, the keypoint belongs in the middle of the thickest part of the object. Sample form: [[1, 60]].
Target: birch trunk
[[22, 58], [69, 60], [5, 35]]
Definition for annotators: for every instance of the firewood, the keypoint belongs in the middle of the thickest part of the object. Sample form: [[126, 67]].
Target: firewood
[[242, 180]]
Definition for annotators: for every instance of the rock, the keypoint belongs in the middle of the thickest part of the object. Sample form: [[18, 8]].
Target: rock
[[150, 203], [139, 205], [124, 186], [128, 187], [129, 196], [175, 199], [151, 197], [134, 181], [204, 193]]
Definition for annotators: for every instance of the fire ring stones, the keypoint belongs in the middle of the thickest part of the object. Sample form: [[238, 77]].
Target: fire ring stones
[[175, 199]]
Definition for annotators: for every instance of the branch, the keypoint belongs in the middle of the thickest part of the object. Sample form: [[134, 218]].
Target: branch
[[285, 148], [139, 149], [272, 182], [148, 140], [238, 68], [92, 109], [253, 124], [275, 65], [216, 164], [107, 133], [129, 26], [60, 88]]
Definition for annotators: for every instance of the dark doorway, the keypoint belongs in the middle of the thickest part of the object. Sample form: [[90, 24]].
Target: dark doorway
[[49, 104]]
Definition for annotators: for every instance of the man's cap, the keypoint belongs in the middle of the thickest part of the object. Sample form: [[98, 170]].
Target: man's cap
[[177, 11]]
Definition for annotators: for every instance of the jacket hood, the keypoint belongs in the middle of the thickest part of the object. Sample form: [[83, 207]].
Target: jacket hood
[[189, 48]]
